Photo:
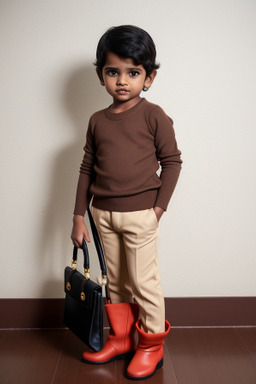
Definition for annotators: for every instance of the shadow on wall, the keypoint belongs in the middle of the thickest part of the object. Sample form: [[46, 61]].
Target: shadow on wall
[[81, 97]]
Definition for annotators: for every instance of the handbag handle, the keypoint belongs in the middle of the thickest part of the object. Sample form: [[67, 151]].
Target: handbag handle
[[86, 259], [86, 255], [97, 244]]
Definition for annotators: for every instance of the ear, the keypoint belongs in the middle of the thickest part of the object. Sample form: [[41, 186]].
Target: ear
[[149, 79], [99, 73]]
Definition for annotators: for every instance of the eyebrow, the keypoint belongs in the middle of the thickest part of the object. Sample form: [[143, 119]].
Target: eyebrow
[[129, 69]]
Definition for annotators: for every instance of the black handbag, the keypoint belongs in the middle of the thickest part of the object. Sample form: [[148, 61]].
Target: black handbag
[[83, 313]]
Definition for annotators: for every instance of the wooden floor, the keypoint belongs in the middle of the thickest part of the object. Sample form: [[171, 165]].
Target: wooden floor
[[192, 356]]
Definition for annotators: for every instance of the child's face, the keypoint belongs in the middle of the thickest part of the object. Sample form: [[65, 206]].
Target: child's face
[[123, 79]]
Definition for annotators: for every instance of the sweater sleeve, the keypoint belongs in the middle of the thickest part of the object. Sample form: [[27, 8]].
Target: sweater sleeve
[[167, 154], [83, 195]]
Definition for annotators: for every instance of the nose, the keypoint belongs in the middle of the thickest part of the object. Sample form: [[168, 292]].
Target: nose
[[121, 79]]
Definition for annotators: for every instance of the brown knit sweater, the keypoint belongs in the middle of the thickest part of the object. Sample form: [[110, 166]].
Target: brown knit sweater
[[122, 155]]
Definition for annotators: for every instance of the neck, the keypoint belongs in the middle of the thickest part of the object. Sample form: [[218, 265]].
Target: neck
[[122, 106]]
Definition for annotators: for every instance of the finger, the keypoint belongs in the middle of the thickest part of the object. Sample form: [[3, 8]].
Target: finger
[[86, 235], [76, 244]]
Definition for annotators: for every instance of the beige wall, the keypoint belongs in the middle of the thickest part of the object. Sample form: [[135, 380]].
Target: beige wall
[[206, 84]]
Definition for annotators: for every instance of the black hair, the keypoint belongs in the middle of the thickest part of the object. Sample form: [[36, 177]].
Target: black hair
[[128, 41]]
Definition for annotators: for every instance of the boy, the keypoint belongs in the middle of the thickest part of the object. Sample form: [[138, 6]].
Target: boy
[[124, 144]]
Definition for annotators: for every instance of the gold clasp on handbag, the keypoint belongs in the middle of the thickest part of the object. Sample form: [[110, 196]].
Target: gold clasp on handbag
[[82, 296], [104, 280], [68, 286], [87, 273], [74, 264]]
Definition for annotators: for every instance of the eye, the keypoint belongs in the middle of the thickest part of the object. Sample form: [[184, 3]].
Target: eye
[[111, 72], [134, 73]]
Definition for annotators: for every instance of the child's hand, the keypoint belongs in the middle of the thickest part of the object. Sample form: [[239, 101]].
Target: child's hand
[[158, 211], [79, 231]]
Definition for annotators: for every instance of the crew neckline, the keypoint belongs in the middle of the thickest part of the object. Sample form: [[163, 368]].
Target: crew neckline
[[125, 114]]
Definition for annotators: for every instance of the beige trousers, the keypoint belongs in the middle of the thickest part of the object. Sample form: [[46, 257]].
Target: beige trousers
[[129, 241]]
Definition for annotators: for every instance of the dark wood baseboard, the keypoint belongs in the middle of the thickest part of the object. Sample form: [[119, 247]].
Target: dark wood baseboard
[[211, 311], [189, 312], [31, 313]]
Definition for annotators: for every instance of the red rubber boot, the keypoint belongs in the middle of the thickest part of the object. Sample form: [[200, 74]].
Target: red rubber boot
[[120, 343], [149, 354]]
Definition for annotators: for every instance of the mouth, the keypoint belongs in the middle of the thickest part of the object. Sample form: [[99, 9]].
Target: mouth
[[122, 91]]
